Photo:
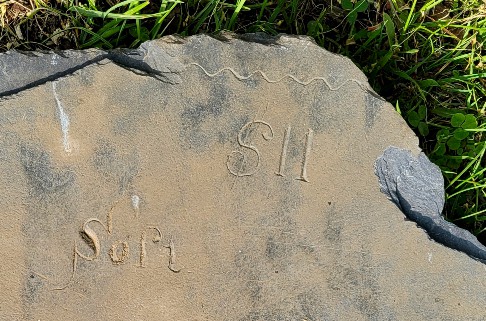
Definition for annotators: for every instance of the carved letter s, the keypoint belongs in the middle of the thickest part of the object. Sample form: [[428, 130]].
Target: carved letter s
[[242, 134], [93, 240]]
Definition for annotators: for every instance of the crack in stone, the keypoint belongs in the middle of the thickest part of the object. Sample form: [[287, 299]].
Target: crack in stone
[[120, 59]]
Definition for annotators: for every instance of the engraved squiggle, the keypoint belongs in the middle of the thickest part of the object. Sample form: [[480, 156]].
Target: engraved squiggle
[[273, 81]]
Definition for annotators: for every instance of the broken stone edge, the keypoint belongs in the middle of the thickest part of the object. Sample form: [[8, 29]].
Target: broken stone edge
[[416, 186], [148, 59]]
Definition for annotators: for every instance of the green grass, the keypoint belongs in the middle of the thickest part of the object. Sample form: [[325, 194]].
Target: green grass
[[426, 57]]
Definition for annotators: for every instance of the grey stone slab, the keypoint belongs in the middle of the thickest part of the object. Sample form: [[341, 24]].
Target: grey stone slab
[[249, 178], [48, 66], [20, 70]]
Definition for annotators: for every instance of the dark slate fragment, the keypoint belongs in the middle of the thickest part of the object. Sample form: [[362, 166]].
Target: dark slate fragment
[[416, 186], [151, 59], [49, 66], [42, 67]]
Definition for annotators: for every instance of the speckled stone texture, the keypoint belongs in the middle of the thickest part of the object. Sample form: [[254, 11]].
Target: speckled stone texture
[[239, 178]]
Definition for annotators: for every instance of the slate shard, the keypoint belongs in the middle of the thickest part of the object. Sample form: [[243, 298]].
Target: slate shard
[[416, 186], [148, 59], [227, 178], [44, 66], [407, 179]]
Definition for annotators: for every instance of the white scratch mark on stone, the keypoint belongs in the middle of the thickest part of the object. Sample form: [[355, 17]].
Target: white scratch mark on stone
[[54, 59], [136, 204], [430, 257], [64, 119], [135, 201]]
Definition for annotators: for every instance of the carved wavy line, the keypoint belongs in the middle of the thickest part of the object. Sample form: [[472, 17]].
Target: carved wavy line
[[272, 81]]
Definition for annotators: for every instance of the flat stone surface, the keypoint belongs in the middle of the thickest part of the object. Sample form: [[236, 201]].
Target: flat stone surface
[[199, 179]]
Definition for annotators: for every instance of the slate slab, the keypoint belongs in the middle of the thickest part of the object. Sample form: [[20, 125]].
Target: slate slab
[[248, 178]]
